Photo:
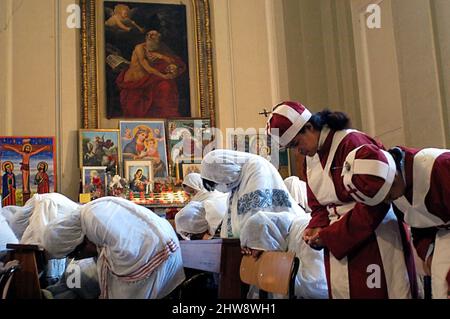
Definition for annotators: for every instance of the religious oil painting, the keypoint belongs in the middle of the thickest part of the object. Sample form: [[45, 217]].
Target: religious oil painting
[[95, 181], [28, 166], [139, 174], [146, 60], [188, 139], [145, 140], [260, 144], [184, 169], [100, 147]]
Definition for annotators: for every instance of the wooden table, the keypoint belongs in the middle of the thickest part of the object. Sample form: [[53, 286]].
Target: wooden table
[[221, 256]]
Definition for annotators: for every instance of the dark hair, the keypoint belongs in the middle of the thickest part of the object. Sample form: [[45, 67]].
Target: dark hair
[[334, 120], [209, 185], [398, 156]]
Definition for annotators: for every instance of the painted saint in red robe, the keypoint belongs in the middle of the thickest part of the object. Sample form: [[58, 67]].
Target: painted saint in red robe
[[148, 87]]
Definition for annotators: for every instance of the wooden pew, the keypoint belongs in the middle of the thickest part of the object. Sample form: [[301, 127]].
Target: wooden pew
[[26, 284]]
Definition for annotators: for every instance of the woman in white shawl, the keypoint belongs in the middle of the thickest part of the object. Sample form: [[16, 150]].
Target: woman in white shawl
[[28, 223], [254, 183], [283, 232], [297, 189], [214, 203], [138, 251], [195, 222], [6, 235]]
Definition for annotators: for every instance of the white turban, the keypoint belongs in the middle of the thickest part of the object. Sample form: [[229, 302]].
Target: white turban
[[297, 189], [267, 231], [62, 235]]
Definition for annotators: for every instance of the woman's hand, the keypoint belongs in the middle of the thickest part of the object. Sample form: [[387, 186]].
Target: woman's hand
[[255, 253], [315, 242], [309, 233]]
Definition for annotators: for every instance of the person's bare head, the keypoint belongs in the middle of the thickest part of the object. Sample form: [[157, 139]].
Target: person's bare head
[[152, 40]]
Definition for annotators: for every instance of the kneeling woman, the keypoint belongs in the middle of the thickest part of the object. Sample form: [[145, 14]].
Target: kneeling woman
[[138, 251]]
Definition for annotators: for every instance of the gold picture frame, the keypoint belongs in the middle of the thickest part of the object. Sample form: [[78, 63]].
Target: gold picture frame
[[92, 100]]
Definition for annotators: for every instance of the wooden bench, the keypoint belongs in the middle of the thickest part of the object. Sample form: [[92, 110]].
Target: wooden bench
[[25, 283]]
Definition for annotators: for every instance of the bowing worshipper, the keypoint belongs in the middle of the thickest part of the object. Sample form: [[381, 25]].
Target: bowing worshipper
[[267, 231], [418, 184], [138, 251], [367, 252], [297, 189], [254, 185], [6, 235], [28, 223], [196, 222], [215, 203]]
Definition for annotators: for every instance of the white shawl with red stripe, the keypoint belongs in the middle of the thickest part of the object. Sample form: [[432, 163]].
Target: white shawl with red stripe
[[140, 255], [138, 250]]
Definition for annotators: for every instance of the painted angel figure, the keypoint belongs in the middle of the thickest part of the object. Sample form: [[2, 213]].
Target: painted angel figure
[[120, 19]]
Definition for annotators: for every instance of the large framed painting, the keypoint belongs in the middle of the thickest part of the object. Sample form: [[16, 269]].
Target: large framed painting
[[187, 139], [100, 147], [28, 166], [145, 140], [145, 59]]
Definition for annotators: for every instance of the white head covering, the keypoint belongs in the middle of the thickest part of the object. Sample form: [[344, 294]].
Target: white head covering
[[254, 182], [283, 232], [297, 189], [267, 231], [18, 218], [45, 208], [62, 235], [198, 217], [139, 255], [6, 234], [194, 180], [191, 220]]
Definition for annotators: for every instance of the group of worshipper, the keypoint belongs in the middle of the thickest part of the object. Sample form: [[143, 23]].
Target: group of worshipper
[[367, 202], [130, 251], [350, 223]]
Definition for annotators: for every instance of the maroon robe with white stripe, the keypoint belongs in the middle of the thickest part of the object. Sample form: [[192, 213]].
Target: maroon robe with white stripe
[[437, 199], [432, 220], [352, 236]]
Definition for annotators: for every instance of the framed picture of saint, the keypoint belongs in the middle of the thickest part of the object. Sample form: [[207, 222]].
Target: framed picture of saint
[[100, 147], [146, 60], [145, 140], [94, 181], [28, 166], [187, 140]]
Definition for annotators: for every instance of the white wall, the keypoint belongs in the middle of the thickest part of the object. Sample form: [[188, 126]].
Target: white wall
[[39, 79]]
